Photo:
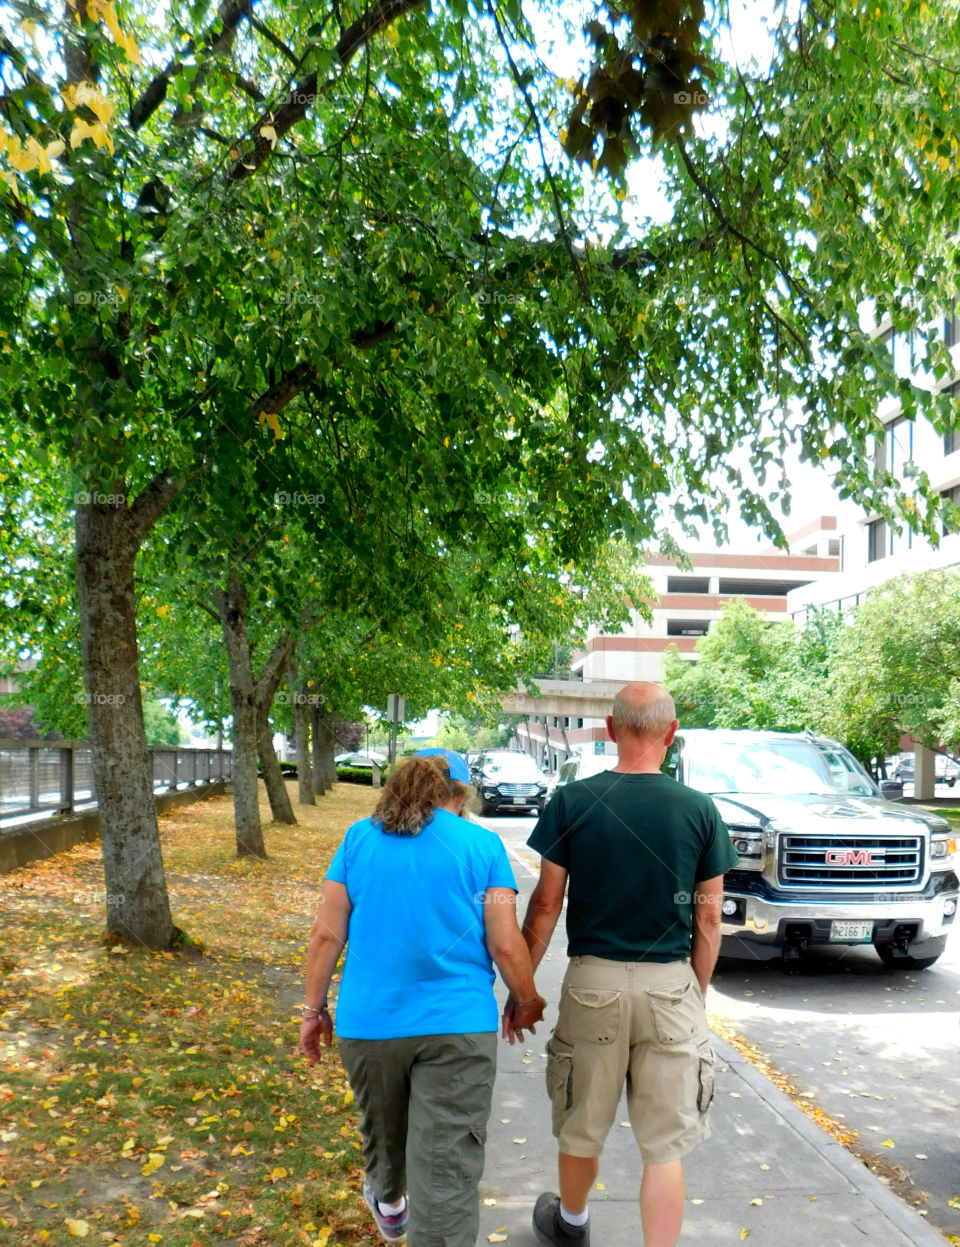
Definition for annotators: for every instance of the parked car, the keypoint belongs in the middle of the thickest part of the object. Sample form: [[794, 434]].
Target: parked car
[[946, 770], [509, 781], [824, 859], [583, 765], [360, 761]]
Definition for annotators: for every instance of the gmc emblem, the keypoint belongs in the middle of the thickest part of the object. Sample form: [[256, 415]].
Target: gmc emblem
[[855, 857]]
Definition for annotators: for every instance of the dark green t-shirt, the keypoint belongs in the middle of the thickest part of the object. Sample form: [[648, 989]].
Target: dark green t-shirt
[[633, 846]]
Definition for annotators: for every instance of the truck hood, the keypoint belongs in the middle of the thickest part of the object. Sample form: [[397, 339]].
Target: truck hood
[[825, 814]]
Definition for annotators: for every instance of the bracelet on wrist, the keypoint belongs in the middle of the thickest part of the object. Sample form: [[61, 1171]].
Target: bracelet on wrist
[[521, 1003], [308, 1011]]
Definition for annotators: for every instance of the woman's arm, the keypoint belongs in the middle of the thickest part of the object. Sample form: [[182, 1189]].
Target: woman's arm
[[512, 957], [328, 937]]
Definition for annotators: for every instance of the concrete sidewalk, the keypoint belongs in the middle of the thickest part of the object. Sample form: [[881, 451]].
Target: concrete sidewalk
[[811, 1190]]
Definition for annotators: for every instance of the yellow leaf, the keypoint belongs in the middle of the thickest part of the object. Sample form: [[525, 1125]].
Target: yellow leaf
[[498, 1236], [888, 1143], [758, 1203], [79, 1229], [321, 1239], [155, 1161], [744, 1233], [348, 1096], [270, 418], [155, 1238], [277, 1173], [11, 180], [270, 133]]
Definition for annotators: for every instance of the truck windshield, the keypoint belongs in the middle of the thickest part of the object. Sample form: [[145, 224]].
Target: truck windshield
[[790, 767]]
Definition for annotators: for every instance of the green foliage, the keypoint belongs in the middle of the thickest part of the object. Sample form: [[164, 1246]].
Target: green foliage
[[750, 673], [161, 725], [894, 670]]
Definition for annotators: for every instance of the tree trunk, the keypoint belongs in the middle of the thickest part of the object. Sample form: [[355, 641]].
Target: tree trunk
[[107, 540], [320, 780], [232, 606], [301, 720], [280, 808], [323, 724]]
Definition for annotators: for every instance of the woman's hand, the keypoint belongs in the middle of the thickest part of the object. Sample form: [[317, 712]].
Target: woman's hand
[[520, 1017], [310, 1031]]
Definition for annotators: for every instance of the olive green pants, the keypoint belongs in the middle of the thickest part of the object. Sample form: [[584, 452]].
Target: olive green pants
[[424, 1104]]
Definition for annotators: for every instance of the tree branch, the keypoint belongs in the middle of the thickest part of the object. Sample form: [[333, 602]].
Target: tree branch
[[295, 106], [220, 34]]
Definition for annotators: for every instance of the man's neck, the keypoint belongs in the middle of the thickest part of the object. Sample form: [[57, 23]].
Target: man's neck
[[640, 757]]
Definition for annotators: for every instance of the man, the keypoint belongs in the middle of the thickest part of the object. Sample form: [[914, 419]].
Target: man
[[645, 858]]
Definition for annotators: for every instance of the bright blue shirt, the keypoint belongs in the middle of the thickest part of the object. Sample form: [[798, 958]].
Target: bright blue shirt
[[417, 963]]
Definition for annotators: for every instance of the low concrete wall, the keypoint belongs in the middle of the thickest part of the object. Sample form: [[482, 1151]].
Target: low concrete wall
[[43, 838]]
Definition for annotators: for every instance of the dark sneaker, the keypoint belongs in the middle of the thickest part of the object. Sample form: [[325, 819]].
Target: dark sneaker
[[392, 1229], [551, 1228]]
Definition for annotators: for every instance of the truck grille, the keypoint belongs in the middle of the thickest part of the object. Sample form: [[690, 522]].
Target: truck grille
[[850, 861], [518, 790]]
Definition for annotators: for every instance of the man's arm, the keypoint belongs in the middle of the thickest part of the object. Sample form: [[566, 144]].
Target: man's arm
[[327, 939], [707, 898], [543, 909]]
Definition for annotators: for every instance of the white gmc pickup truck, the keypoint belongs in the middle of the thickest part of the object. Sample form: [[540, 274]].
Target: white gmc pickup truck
[[824, 859]]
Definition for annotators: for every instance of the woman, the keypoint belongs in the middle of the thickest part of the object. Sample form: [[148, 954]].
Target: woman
[[426, 903]]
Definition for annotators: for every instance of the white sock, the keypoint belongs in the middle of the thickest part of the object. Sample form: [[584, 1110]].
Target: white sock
[[574, 1218], [391, 1210]]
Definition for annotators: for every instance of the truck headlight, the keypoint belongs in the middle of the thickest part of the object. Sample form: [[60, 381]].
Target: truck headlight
[[749, 847], [942, 849]]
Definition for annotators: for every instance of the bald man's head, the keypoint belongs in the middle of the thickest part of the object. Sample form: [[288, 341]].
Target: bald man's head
[[643, 709]]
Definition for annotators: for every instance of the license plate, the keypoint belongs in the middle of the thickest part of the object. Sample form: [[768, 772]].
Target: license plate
[[851, 932]]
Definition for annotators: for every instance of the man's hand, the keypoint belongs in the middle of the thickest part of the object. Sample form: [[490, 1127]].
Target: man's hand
[[310, 1031], [518, 1018]]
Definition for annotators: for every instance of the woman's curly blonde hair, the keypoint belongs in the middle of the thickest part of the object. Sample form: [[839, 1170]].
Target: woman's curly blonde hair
[[414, 791]]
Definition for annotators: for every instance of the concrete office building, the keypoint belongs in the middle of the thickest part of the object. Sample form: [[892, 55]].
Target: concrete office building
[[687, 603]]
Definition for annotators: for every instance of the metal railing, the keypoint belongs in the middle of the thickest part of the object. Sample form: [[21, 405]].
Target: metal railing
[[56, 777]]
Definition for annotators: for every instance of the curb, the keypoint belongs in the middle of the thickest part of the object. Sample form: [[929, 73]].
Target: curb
[[867, 1184]]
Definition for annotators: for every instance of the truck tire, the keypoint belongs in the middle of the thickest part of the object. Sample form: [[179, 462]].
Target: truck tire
[[893, 962]]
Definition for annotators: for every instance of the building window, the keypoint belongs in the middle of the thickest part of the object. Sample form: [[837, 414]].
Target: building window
[[876, 540], [688, 584], [951, 438], [579, 722], [951, 524], [731, 586], [687, 627], [833, 548], [951, 328]]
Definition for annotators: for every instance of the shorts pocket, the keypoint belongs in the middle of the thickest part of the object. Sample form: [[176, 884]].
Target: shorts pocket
[[706, 1077], [589, 1015], [480, 1133], [677, 1012], [559, 1080]]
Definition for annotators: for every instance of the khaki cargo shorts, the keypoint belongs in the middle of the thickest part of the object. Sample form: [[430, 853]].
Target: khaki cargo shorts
[[639, 1023]]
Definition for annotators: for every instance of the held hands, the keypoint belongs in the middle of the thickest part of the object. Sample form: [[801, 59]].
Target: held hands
[[518, 1017], [310, 1031]]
